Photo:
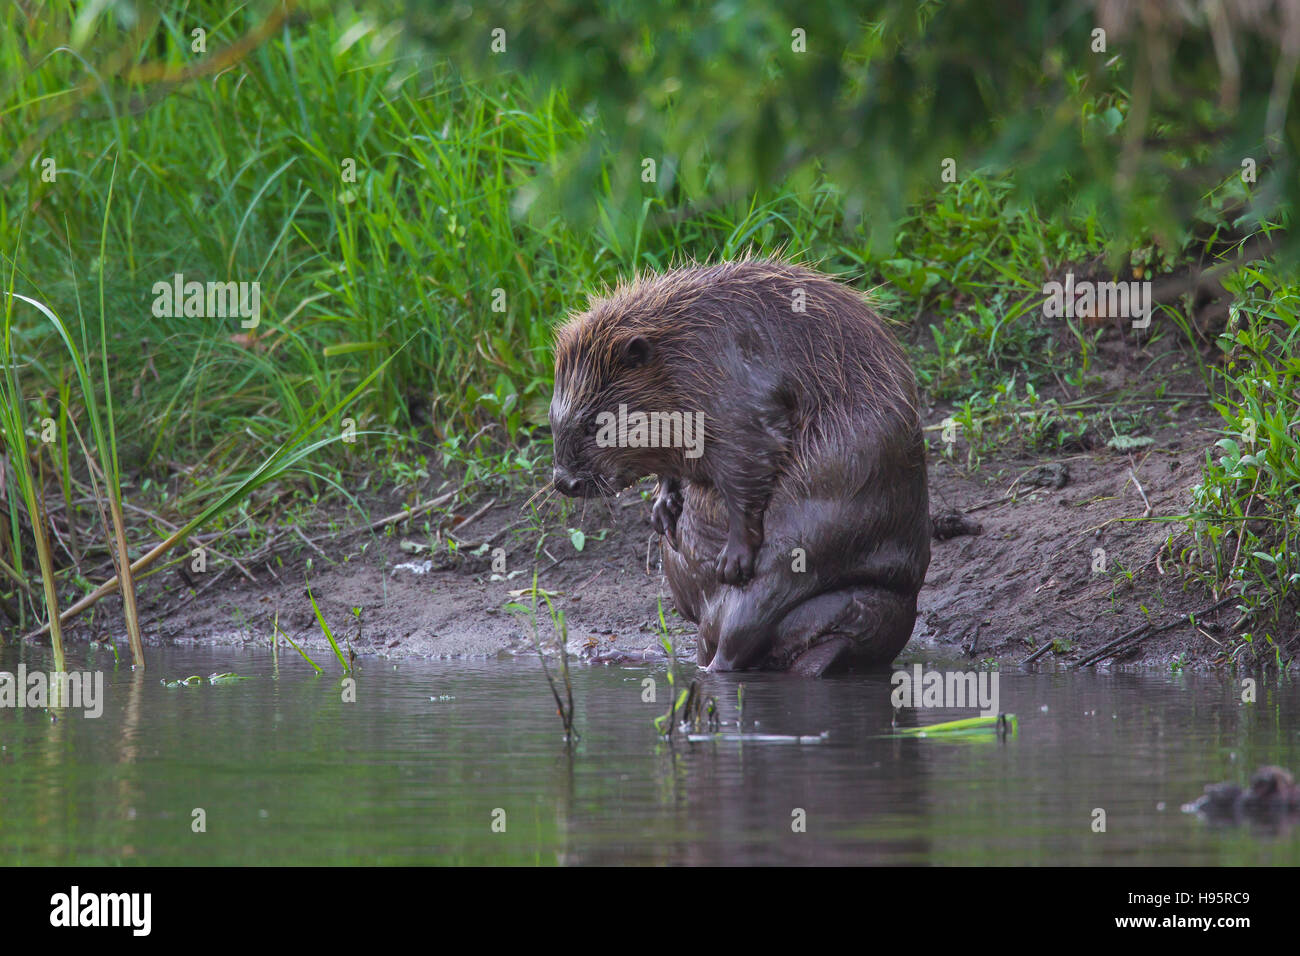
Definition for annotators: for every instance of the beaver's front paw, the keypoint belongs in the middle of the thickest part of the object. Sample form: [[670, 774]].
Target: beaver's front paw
[[666, 510], [736, 562]]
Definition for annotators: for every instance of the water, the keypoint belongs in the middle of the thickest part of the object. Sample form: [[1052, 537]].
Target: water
[[418, 768]]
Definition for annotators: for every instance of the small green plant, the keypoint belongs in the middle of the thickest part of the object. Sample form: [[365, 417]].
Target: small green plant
[[1121, 576], [666, 723], [563, 702], [303, 654], [329, 634]]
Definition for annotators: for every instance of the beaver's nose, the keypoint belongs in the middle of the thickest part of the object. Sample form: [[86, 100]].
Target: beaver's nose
[[566, 483]]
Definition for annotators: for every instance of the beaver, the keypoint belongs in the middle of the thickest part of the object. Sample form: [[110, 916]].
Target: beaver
[[794, 515], [1272, 792]]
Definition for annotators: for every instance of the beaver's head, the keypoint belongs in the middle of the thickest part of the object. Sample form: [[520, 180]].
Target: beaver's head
[[1270, 785], [603, 362]]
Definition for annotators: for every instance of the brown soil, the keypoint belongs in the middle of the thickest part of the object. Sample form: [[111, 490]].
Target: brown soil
[[1035, 573], [1027, 578]]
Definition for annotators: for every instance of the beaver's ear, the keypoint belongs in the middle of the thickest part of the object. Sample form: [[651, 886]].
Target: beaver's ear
[[635, 352]]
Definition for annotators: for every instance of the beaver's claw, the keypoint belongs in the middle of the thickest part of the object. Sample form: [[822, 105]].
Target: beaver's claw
[[736, 561]]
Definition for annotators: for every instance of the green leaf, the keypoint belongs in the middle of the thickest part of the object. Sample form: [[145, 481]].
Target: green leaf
[[325, 628]]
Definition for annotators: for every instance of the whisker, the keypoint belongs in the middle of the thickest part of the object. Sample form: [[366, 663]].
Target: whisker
[[548, 487], [608, 497], [548, 500]]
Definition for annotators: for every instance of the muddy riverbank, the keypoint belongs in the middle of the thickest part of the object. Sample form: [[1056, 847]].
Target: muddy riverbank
[[1062, 558], [1076, 548]]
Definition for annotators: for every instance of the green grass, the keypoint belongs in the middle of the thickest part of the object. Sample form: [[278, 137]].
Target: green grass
[[1244, 520], [13, 431], [234, 180], [329, 635]]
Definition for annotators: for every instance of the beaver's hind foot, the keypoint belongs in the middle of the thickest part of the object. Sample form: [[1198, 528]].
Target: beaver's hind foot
[[857, 627]]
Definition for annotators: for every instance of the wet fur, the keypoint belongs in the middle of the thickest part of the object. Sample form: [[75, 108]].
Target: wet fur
[[812, 441]]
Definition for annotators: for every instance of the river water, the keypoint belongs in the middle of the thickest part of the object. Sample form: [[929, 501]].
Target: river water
[[456, 762]]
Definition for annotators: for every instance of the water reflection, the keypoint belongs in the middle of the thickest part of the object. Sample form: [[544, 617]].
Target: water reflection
[[464, 763]]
